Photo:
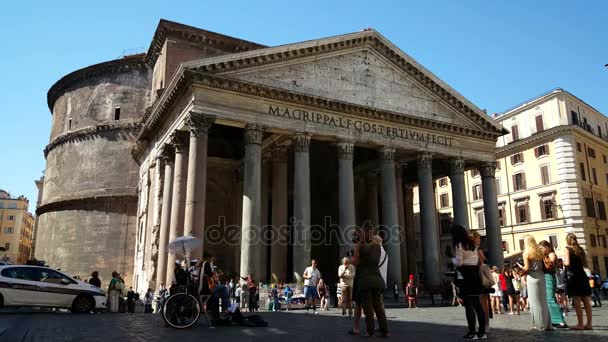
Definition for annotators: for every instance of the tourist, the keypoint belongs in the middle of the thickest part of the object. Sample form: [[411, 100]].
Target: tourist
[[411, 292], [232, 290], [367, 258], [518, 287], [468, 281], [346, 273], [148, 299], [502, 281], [577, 283], [131, 300], [274, 298], [252, 290], [560, 277], [288, 294], [114, 292], [311, 279], [550, 261], [523, 298], [512, 293], [595, 282], [205, 284], [537, 288], [323, 295], [94, 280], [237, 295], [484, 297], [244, 296], [496, 296]]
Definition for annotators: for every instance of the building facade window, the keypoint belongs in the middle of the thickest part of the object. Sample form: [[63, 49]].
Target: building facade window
[[596, 263], [522, 244], [601, 211], [514, 132], [604, 159], [539, 123], [553, 241], [544, 174], [505, 246], [501, 215], [11, 218], [517, 158], [443, 182], [445, 223], [541, 150], [574, 117], [498, 187], [474, 173], [589, 207], [498, 164], [476, 192], [592, 240], [591, 152], [548, 208], [519, 181], [444, 200], [117, 113], [603, 242], [8, 230], [594, 176], [7, 246], [581, 167], [481, 220], [578, 147], [522, 212]]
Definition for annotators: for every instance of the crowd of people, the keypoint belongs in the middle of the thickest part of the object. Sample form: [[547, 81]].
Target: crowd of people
[[543, 285]]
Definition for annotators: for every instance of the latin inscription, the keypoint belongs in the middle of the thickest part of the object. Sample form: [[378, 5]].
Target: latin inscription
[[359, 125]]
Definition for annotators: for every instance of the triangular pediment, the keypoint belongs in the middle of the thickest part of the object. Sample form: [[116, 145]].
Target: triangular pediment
[[363, 69]]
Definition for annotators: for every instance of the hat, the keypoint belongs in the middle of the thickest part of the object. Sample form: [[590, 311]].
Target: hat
[[411, 276]]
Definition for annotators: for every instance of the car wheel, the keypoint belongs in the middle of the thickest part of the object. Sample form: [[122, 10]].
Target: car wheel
[[1, 301], [83, 304]]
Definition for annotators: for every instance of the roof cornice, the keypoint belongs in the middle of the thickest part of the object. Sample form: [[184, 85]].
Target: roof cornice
[[192, 34], [105, 68]]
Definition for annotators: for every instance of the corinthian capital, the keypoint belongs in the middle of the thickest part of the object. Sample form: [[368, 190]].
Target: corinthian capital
[[345, 150], [167, 154], [488, 170], [179, 141], [301, 142], [425, 160], [387, 153], [199, 123], [254, 134], [456, 166]]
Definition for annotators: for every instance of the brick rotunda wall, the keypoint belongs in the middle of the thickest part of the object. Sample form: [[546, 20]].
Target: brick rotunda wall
[[87, 219]]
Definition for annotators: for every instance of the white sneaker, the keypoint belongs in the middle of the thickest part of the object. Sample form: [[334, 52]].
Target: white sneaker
[[482, 337]]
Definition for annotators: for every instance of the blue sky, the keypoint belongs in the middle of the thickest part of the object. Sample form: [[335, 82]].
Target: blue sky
[[495, 53]]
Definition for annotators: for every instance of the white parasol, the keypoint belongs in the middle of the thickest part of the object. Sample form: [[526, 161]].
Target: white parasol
[[183, 245]]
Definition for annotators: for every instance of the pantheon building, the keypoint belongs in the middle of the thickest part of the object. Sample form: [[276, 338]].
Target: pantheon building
[[271, 155]]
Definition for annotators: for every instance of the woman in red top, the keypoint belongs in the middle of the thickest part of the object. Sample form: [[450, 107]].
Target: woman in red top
[[503, 286]]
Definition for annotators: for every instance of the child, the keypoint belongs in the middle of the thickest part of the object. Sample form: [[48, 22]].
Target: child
[[411, 292]]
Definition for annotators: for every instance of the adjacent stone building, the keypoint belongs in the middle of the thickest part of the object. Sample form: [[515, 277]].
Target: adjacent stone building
[[271, 155], [551, 178], [16, 226]]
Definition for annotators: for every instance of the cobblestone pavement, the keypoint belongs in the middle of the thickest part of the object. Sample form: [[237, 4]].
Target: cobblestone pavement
[[424, 324]]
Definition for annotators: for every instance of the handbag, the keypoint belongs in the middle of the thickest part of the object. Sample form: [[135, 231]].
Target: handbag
[[486, 276]]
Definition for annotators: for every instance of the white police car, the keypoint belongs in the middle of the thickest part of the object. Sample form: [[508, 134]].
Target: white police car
[[22, 285]]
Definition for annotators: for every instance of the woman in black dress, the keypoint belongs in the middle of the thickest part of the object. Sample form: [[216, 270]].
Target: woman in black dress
[[577, 283]]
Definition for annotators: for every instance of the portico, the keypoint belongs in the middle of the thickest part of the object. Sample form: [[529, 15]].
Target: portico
[[328, 114]]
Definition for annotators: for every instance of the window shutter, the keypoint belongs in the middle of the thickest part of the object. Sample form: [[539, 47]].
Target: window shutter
[[523, 181], [542, 210], [514, 183], [513, 160], [521, 157], [539, 123], [447, 200], [536, 152], [527, 212], [553, 209], [547, 149], [517, 220]]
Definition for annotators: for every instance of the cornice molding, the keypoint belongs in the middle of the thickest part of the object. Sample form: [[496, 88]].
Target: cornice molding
[[106, 68], [102, 203], [91, 131]]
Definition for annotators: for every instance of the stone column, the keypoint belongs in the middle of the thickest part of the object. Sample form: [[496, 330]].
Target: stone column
[[390, 217], [252, 202], [459, 194], [401, 216], [346, 195], [410, 231], [301, 204], [167, 158], [490, 210], [428, 222], [280, 233], [371, 181], [194, 220], [179, 140], [262, 260]]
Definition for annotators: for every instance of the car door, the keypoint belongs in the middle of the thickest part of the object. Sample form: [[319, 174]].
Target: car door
[[57, 288], [20, 286]]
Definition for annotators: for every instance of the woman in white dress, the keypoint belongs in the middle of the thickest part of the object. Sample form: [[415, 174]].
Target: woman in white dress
[[537, 290], [497, 295]]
